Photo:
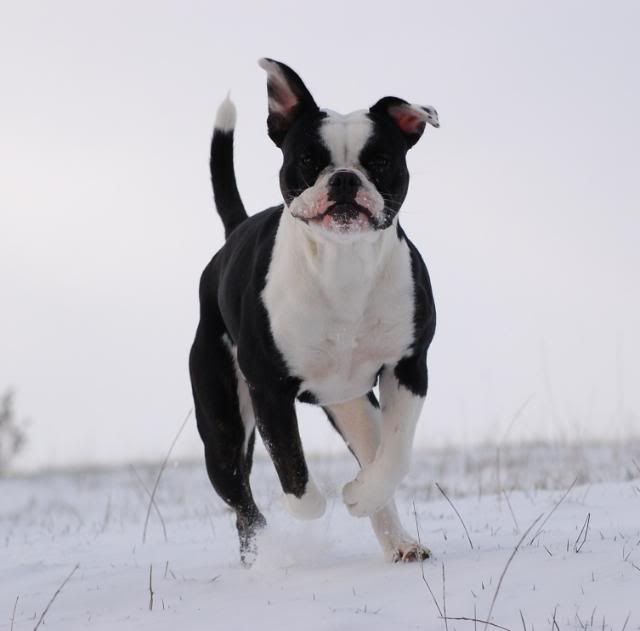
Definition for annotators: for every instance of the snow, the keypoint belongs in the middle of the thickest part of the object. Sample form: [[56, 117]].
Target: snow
[[329, 573]]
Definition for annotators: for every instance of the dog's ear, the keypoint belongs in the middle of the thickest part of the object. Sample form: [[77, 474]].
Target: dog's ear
[[410, 119], [288, 99]]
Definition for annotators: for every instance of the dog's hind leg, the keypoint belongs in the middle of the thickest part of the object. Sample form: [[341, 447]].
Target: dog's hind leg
[[359, 423], [226, 427]]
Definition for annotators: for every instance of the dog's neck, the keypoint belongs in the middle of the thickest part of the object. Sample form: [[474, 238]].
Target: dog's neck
[[336, 262]]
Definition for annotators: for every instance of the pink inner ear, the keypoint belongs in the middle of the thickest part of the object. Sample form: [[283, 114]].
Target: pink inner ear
[[409, 121], [282, 100]]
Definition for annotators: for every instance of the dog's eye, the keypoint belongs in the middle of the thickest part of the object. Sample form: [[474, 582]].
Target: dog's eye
[[378, 163], [308, 161]]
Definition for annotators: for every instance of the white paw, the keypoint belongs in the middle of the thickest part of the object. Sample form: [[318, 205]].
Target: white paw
[[310, 506], [407, 551], [367, 494]]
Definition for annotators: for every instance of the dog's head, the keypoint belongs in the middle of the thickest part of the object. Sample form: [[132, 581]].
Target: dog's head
[[342, 175]]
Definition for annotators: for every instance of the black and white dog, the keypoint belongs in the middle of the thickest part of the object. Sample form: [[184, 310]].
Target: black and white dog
[[318, 299]]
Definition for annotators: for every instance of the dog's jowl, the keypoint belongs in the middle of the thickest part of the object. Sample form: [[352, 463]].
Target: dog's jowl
[[319, 299]]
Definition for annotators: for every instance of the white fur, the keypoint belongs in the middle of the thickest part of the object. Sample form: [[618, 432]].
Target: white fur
[[226, 115], [244, 398], [339, 310], [378, 480], [360, 425], [345, 135], [432, 115], [310, 506], [417, 114]]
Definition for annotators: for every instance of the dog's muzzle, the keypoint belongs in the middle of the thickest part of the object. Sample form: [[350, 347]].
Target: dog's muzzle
[[343, 187], [342, 203]]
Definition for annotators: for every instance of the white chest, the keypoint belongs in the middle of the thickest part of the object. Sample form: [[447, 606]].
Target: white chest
[[339, 312]]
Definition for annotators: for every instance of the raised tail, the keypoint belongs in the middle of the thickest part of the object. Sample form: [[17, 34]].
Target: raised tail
[[223, 177]]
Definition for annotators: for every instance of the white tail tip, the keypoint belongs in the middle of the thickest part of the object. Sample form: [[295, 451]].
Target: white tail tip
[[226, 115]]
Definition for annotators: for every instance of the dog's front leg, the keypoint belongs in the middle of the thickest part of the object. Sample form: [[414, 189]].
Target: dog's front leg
[[402, 394], [277, 423]]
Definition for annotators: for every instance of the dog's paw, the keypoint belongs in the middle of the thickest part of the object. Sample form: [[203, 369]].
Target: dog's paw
[[407, 552], [367, 494], [248, 553], [248, 529], [310, 506]]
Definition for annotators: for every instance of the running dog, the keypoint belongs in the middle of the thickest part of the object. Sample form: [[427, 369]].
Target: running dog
[[318, 299]]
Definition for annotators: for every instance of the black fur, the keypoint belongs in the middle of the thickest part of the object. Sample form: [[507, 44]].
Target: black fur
[[223, 180], [411, 371], [303, 155], [233, 317]]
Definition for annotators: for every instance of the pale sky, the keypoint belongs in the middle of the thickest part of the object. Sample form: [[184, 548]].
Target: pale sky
[[525, 204]]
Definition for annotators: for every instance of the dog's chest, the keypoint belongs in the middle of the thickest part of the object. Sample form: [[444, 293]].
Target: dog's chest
[[337, 321]]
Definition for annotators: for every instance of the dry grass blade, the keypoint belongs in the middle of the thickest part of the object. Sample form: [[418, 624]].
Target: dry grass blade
[[424, 579], [637, 466], [107, 516], [13, 615], [160, 472], [455, 510], [515, 417], [153, 501], [553, 510], [55, 595], [444, 598], [506, 567], [513, 515], [626, 622], [524, 624], [151, 587], [476, 620], [577, 546]]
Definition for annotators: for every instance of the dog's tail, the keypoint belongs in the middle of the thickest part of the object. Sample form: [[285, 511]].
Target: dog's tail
[[223, 177]]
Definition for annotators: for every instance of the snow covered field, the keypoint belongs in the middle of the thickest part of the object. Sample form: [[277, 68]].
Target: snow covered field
[[583, 567]]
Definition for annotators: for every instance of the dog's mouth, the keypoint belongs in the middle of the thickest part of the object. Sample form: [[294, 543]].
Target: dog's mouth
[[345, 217]]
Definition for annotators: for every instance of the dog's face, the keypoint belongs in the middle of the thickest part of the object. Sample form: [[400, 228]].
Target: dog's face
[[342, 175]]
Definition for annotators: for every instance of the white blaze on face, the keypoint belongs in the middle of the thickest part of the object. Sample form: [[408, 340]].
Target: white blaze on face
[[345, 136]]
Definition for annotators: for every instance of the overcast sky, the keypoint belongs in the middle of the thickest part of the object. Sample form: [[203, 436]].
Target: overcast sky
[[525, 204]]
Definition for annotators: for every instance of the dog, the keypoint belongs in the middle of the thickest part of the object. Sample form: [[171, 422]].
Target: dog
[[318, 299]]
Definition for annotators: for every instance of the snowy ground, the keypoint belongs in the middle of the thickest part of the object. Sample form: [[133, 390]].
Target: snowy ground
[[329, 574]]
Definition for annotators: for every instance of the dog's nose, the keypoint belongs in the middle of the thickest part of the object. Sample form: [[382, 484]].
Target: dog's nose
[[343, 186]]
